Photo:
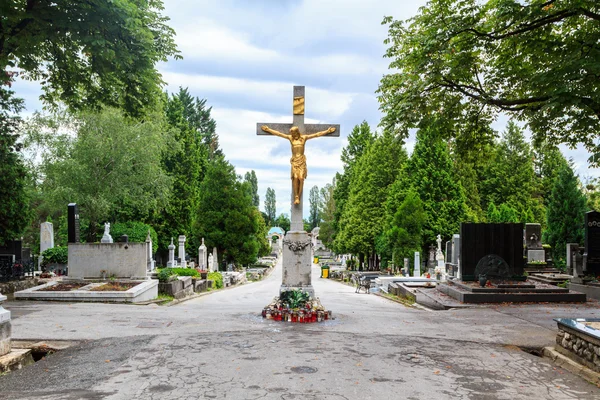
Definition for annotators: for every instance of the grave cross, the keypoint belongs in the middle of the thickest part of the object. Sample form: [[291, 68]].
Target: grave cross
[[298, 160]]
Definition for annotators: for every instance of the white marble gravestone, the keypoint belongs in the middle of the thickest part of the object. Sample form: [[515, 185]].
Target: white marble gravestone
[[171, 263], [417, 270], [215, 260], [46, 236], [151, 263], [5, 328], [202, 263], [181, 252]]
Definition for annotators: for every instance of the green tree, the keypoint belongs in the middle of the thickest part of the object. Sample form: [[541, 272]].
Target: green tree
[[198, 115], [510, 178], [250, 178], [227, 219], [283, 221], [111, 167], [14, 202], [362, 219], [88, 53], [534, 59], [431, 172], [565, 212], [359, 140], [185, 163], [270, 207], [314, 199], [403, 234], [327, 212], [548, 161]]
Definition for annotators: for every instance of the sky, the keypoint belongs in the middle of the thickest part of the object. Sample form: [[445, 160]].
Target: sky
[[244, 57]]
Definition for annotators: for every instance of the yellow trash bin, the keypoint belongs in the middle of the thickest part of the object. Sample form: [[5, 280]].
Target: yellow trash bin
[[325, 271]]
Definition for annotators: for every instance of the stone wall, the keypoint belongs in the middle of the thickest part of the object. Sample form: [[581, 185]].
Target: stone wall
[[16, 286], [119, 260], [580, 347]]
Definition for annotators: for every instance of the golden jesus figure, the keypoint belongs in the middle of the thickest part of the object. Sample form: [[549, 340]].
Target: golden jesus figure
[[298, 159]]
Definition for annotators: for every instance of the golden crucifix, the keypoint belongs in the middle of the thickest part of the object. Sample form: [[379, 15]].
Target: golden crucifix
[[299, 134]]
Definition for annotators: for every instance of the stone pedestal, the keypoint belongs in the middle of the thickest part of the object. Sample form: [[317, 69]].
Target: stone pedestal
[[297, 263], [4, 328], [536, 256], [181, 252], [171, 263]]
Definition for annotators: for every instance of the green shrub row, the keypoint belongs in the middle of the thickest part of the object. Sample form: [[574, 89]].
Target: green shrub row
[[55, 255]]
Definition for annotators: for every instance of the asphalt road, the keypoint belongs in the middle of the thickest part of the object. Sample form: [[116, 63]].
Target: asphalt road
[[217, 346]]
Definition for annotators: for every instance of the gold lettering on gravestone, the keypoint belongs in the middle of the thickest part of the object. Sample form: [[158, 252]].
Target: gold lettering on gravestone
[[298, 105]]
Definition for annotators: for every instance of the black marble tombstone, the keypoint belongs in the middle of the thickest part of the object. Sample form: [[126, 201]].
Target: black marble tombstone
[[73, 224], [11, 251], [480, 240], [591, 253]]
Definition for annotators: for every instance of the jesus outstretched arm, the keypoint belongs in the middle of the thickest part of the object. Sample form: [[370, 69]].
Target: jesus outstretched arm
[[274, 132], [323, 133]]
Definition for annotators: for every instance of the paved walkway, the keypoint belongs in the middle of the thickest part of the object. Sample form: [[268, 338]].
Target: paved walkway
[[217, 346]]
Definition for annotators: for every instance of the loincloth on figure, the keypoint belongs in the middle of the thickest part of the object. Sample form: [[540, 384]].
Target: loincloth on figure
[[299, 170]]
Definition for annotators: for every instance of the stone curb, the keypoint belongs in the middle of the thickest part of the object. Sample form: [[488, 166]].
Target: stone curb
[[571, 366], [414, 305]]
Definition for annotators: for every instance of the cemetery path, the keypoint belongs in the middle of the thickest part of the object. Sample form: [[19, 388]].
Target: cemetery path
[[218, 346]]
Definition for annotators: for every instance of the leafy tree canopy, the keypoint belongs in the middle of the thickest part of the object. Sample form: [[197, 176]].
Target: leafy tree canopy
[[86, 53], [111, 167], [535, 59]]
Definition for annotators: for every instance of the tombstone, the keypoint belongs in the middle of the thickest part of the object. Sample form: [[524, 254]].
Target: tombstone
[[455, 248], [591, 252], [431, 258], [439, 256], [211, 261], [202, 263], [11, 251], [478, 240], [171, 263], [73, 223], [448, 252], [406, 271], [533, 243], [5, 329], [106, 238], [215, 260], [151, 262], [417, 270], [574, 260], [181, 252], [533, 236], [46, 236]]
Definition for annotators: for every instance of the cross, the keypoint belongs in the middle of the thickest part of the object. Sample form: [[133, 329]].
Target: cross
[[278, 129]]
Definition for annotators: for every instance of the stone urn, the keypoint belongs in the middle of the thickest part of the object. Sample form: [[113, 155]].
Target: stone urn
[[482, 280]]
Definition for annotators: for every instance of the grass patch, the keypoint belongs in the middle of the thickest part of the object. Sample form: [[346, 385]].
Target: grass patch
[[404, 300], [165, 299]]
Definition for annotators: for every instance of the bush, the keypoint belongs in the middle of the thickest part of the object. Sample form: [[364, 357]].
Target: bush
[[217, 278], [55, 255], [181, 272], [136, 231], [164, 275]]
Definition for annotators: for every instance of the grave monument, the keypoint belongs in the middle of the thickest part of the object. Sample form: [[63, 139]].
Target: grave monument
[[202, 264], [297, 243], [5, 328]]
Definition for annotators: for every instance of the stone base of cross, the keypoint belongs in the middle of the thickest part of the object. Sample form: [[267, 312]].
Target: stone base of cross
[[297, 254]]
